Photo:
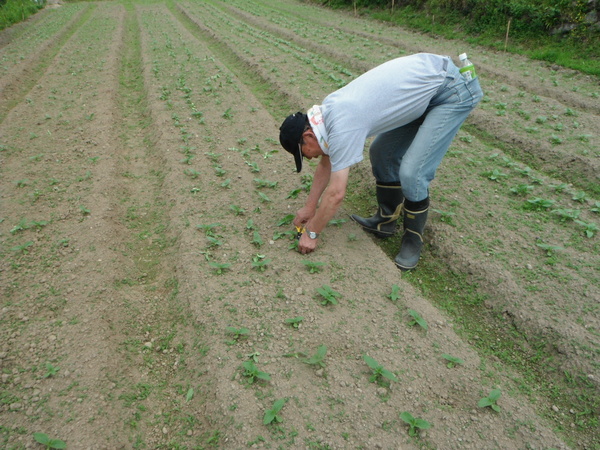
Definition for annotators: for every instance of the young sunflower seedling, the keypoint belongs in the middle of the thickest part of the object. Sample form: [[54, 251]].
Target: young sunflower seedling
[[252, 373], [286, 220], [256, 240], [44, 439], [415, 424], [237, 333], [491, 400], [295, 321], [329, 295], [417, 319], [379, 372], [260, 263], [453, 361], [318, 357], [395, 294], [219, 268], [313, 266], [272, 415]]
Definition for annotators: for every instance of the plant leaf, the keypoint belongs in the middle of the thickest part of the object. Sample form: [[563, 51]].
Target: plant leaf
[[407, 417], [189, 395], [495, 395], [484, 402], [42, 438], [422, 424], [371, 362]]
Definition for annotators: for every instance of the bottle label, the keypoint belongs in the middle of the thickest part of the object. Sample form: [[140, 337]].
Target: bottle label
[[468, 72]]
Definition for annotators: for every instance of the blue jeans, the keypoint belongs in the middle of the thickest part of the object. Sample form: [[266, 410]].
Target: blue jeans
[[411, 154]]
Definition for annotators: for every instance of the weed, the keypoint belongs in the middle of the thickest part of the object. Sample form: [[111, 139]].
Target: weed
[[453, 361], [50, 370], [329, 295], [491, 400], [252, 373], [417, 319], [272, 415], [379, 371], [415, 424], [44, 439], [313, 266], [318, 357], [295, 321]]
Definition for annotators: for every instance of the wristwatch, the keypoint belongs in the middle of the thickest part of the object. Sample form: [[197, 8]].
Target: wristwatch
[[312, 234]]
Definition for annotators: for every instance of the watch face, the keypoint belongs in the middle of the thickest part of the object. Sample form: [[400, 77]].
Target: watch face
[[312, 235]]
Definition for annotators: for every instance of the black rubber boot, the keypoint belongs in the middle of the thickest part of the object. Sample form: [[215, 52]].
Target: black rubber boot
[[383, 223], [412, 239]]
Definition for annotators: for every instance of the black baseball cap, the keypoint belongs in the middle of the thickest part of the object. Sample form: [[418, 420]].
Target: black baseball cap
[[290, 135]]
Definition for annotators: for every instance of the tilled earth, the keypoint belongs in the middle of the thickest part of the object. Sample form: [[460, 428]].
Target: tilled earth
[[147, 253]]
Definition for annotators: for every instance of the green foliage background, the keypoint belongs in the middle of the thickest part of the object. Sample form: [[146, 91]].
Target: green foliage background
[[14, 11]]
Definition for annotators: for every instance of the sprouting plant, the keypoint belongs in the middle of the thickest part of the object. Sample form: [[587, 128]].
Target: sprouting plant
[[491, 400], [589, 228], [237, 333], [417, 319], [295, 321], [272, 415], [495, 175], [318, 357], [264, 197], [219, 171], [521, 189], [329, 295], [227, 114], [539, 204], [209, 229], [415, 424], [453, 361], [50, 370], [264, 183], [596, 208], [44, 439], [395, 294], [313, 266], [286, 220], [294, 193], [252, 372], [220, 268], [237, 210], [22, 248], [549, 249], [379, 371], [566, 214], [559, 187], [226, 183], [192, 173], [22, 183], [337, 222], [579, 197], [260, 263], [84, 210], [253, 166], [256, 240], [445, 216]]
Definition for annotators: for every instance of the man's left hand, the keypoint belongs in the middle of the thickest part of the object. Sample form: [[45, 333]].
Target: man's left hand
[[307, 245]]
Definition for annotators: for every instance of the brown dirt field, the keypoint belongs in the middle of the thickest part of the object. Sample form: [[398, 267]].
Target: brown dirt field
[[142, 186]]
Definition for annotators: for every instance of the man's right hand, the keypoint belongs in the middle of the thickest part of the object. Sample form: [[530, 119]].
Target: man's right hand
[[303, 216]]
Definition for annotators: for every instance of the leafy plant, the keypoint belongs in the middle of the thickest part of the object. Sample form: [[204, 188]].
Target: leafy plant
[[521, 189], [415, 424], [329, 295], [237, 333], [453, 361], [491, 400], [378, 370], [44, 439], [220, 268], [252, 373], [589, 228], [272, 415], [256, 240], [395, 294], [260, 263], [264, 183], [539, 204], [318, 357], [549, 249], [286, 220], [50, 370], [294, 321], [566, 214], [313, 266], [495, 175], [237, 210], [264, 197], [417, 319]]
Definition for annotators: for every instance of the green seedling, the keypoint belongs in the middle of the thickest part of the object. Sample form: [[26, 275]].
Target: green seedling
[[538, 204], [260, 263], [579, 197], [395, 294], [337, 222], [566, 214], [491, 400], [453, 361], [188, 159], [272, 415], [549, 249], [226, 183], [219, 171], [559, 187], [290, 234], [237, 333], [237, 210], [495, 175], [294, 245], [318, 357], [227, 114], [264, 183], [253, 166], [596, 208], [286, 220], [213, 242], [252, 373], [253, 356], [417, 319], [22, 183], [329, 295], [250, 225], [445, 216], [294, 193], [521, 189], [220, 268], [192, 173], [589, 228], [264, 197], [415, 424], [50, 370], [379, 371], [313, 266], [295, 321], [190, 395], [256, 240], [44, 439], [209, 229], [84, 210], [22, 248]]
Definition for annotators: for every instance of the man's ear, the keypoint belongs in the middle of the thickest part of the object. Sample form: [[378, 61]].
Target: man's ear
[[309, 133]]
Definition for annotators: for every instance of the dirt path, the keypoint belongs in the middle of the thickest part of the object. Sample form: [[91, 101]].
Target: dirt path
[[145, 254]]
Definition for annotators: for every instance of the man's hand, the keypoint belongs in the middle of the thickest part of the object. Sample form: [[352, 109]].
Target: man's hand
[[306, 244], [304, 215]]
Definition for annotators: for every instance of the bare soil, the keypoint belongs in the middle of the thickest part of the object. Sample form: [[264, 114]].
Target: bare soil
[[143, 219]]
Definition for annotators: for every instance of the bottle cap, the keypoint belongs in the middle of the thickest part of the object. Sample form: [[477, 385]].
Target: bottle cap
[[462, 56]]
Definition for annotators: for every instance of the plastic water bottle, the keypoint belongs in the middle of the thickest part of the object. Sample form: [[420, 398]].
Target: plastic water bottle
[[466, 67]]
